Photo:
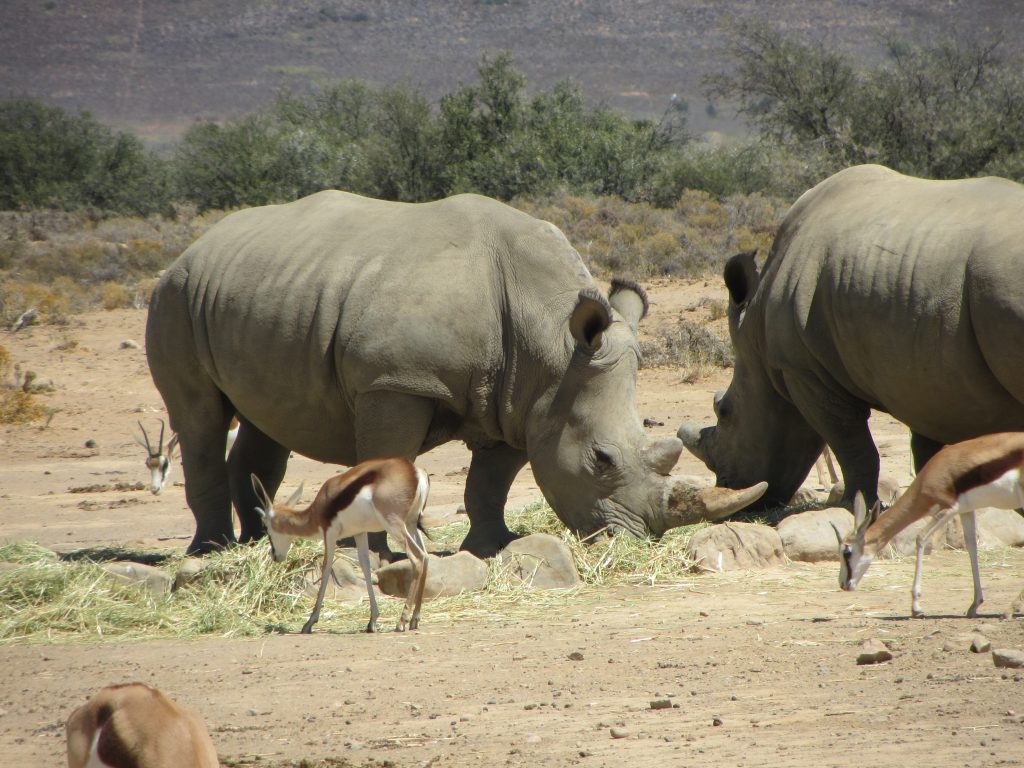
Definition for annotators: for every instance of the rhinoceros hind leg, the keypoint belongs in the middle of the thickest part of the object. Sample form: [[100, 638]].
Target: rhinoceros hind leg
[[390, 424], [491, 472], [253, 453]]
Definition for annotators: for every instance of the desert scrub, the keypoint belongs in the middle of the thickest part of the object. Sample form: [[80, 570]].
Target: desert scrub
[[18, 402], [688, 346]]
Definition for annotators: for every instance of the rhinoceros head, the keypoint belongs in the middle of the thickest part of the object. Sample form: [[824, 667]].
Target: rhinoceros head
[[760, 435], [588, 450]]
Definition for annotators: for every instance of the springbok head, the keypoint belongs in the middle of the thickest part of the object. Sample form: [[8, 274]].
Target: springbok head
[[853, 561], [158, 460], [279, 540]]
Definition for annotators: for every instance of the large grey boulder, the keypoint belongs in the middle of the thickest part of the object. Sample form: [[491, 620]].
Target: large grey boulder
[[346, 586], [446, 576], [809, 536], [735, 546], [541, 561], [1001, 527], [157, 582], [191, 568]]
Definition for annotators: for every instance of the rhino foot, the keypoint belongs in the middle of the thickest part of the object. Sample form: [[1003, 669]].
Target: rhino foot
[[484, 544], [205, 544]]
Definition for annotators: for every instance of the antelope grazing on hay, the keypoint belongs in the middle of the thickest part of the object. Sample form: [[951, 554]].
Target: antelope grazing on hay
[[158, 460], [960, 478], [135, 726], [376, 495]]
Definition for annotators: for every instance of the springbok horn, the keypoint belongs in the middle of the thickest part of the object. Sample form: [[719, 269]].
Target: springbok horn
[[839, 536], [686, 505], [145, 445], [262, 493], [161, 446]]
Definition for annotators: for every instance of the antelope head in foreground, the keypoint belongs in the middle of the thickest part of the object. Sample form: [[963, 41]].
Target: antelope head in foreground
[[158, 459], [377, 495], [960, 478], [136, 725]]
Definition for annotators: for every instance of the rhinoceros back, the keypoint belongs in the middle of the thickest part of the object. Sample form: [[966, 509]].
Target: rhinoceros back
[[293, 310], [907, 293]]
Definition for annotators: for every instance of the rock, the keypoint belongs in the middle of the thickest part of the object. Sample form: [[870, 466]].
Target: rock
[[1008, 657], [346, 586], [155, 581], [661, 704], [352, 554], [888, 491], [541, 561], [805, 496], [189, 570], [980, 644], [873, 651], [809, 536], [735, 546], [446, 576], [905, 542], [619, 732], [1000, 527], [129, 344]]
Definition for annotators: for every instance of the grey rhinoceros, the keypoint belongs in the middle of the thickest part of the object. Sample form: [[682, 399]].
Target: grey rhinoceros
[[881, 291], [345, 328]]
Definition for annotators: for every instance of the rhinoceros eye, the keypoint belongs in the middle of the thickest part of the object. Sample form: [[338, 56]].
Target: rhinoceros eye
[[603, 461]]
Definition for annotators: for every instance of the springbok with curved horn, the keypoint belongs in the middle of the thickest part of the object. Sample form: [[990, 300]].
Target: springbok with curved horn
[[376, 495], [138, 726], [158, 461], [960, 478]]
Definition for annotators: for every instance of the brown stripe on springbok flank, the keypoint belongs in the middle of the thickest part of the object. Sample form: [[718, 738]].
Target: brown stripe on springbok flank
[[985, 473], [348, 494]]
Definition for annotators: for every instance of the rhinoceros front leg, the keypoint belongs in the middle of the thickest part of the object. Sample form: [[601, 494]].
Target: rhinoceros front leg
[[491, 472], [253, 453], [390, 424], [842, 421], [206, 486], [922, 448]]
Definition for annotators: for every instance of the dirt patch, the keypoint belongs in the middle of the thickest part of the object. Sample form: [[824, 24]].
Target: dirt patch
[[758, 668]]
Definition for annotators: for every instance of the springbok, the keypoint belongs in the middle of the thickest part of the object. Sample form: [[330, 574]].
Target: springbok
[[136, 726], [960, 478], [158, 460], [376, 495]]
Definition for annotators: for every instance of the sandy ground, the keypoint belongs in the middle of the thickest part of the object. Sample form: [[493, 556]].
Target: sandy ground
[[768, 656]]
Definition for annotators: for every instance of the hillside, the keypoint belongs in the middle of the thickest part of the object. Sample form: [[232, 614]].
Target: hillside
[[157, 66]]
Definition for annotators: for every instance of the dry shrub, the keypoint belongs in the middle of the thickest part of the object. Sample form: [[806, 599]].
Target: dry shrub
[[18, 404], [115, 296], [688, 346]]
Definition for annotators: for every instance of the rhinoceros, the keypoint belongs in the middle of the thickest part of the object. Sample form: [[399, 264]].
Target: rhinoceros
[[345, 328], [881, 291]]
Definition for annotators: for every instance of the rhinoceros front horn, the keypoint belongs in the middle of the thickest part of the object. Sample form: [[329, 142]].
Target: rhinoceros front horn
[[686, 504]]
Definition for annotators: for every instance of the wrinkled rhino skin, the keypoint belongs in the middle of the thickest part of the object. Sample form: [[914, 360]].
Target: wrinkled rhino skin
[[881, 291], [344, 328]]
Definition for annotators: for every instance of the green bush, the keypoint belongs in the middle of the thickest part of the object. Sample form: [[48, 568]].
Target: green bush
[[51, 158]]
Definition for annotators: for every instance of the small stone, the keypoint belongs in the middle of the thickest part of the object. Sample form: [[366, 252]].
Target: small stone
[[1008, 657], [90, 443], [873, 651], [661, 704], [980, 644], [576, 656], [619, 733], [716, 721], [129, 344]]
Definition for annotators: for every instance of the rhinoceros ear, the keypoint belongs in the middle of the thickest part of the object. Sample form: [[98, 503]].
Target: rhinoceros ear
[[629, 300], [590, 318], [741, 277]]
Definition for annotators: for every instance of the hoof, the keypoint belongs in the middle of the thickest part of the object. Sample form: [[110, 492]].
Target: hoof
[[371, 628]]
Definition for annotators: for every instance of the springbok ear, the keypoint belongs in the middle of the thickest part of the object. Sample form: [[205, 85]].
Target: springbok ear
[[860, 512], [590, 318], [629, 300], [294, 498], [171, 445], [741, 277]]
